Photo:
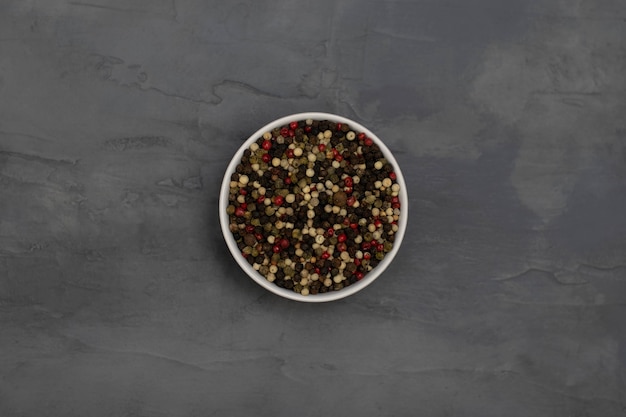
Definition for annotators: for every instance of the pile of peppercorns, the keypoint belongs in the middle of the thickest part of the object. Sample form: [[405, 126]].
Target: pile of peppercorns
[[314, 206]]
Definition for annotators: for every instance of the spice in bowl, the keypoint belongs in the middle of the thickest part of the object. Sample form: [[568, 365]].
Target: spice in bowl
[[313, 206]]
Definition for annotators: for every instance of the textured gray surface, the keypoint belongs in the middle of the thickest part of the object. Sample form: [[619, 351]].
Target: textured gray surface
[[118, 296]]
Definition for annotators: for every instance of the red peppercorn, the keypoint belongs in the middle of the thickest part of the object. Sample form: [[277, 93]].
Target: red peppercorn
[[367, 255], [239, 211], [284, 243], [291, 133], [348, 190], [293, 125], [378, 223], [261, 199], [330, 232], [357, 262], [354, 226], [339, 126], [245, 255], [276, 248], [243, 191], [325, 255], [359, 275], [350, 201], [249, 228], [348, 181], [342, 238], [266, 158], [392, 176], [346, 222], [361, 136], [342, 247], [338, 157], [267, 145], [368, 142], [258, 236], [289, 153], [288, 180], [380, 247], [366, 245], [395, 205], [284, 132], [321, 147], [317, 270], [395, 199], [307, 129], [243, 205], [278, 200], [335, 153]]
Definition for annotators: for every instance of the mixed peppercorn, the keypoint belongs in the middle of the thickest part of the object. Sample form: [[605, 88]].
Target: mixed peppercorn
[[314, 206]]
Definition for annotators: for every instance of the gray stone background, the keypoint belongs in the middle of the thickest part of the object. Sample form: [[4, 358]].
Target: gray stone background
[[118, 296]]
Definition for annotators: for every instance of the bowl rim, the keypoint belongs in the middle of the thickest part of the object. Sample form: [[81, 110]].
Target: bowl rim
[[260, 279]]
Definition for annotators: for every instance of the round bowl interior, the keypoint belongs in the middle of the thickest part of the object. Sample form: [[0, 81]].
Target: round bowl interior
[[260, 279]]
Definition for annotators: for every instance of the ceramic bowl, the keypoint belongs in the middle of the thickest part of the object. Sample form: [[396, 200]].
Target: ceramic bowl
[[290, 294]]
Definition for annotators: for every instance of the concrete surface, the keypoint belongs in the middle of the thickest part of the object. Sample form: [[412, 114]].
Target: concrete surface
[[118, 296]]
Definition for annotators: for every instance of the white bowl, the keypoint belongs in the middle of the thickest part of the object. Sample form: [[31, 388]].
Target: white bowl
[[287, 293]]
